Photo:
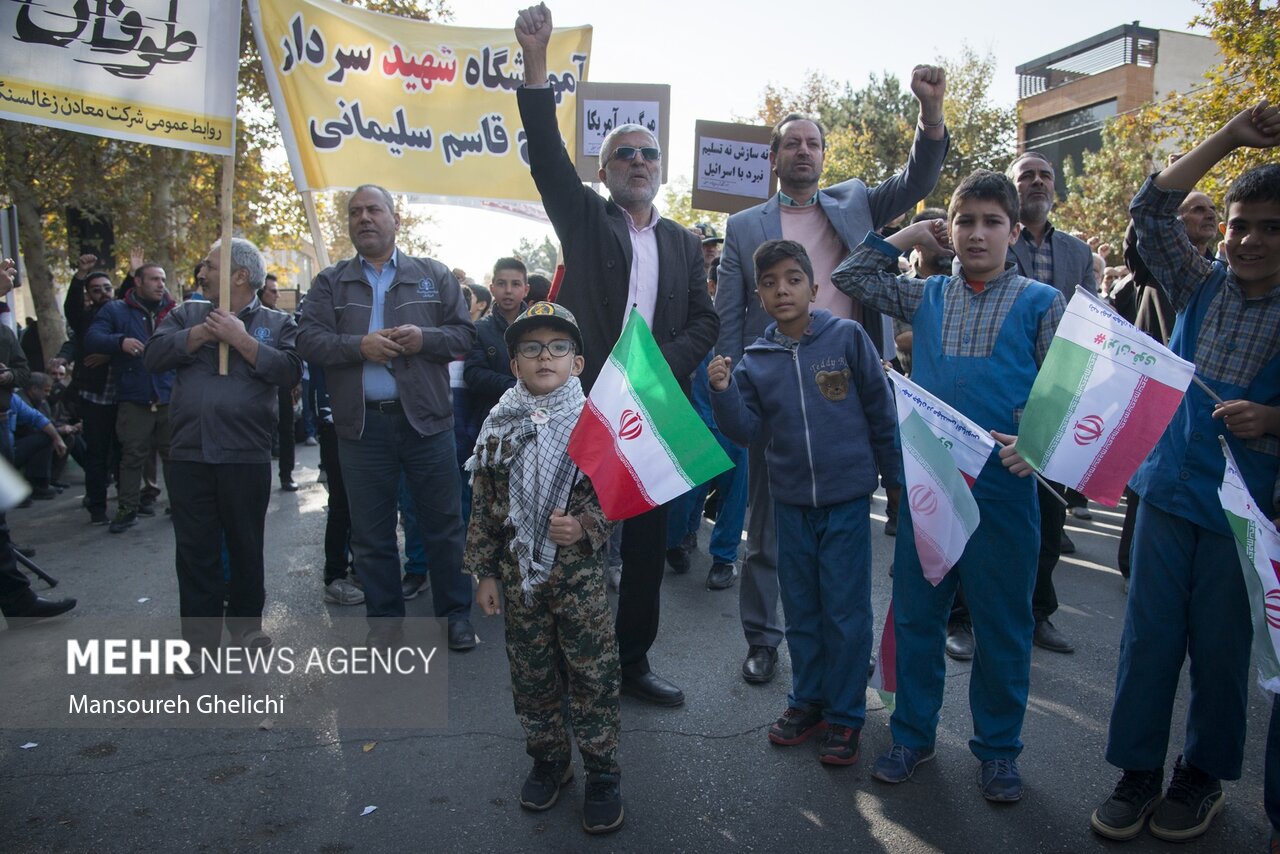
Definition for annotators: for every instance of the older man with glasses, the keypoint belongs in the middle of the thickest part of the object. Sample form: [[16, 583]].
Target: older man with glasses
[[619, 253]]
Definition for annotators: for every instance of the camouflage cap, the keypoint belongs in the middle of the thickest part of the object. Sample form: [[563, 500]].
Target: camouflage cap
[[544, 314], [708, 232]]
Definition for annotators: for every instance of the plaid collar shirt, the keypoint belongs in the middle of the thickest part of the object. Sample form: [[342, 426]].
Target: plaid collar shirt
[[1042, 255], [971, 320], [1239, 334]]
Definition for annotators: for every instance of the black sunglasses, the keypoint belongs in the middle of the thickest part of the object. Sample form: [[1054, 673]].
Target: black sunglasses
[[628, 152]]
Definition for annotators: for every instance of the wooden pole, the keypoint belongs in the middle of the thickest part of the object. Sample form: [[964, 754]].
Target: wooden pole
[[224, 254], [313, 221]]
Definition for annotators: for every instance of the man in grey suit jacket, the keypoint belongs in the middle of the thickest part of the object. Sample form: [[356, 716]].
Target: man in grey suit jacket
[[796, 154], [1047, 255]]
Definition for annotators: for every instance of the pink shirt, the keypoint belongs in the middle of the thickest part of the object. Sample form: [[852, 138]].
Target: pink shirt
[[808, 225], [642, 287]]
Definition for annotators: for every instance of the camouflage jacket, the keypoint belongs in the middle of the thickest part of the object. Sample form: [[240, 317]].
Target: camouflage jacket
[[489, 534]]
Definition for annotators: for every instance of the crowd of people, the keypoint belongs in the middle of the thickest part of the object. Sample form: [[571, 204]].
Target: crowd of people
[[446, 406]]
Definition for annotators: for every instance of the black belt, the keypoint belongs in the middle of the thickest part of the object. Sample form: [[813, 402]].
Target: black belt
[[386, 407]]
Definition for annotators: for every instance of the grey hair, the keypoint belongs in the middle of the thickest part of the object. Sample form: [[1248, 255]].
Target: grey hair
[[609, 143], [245, 256], [377, 188]]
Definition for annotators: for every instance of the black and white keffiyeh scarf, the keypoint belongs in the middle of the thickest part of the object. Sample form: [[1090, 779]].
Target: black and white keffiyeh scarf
[[532, 435]]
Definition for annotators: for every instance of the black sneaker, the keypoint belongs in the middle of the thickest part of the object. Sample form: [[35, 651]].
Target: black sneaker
[[98, 517], [124, 521], [602, 804], [796, 725], [147, 508], [839, 746], [1189, 806], [1122, 815], [542, 786], [678, 559]]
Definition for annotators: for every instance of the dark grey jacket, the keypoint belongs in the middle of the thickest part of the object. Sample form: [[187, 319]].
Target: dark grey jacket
[[217, 419], [1072, 263], [335, 317]]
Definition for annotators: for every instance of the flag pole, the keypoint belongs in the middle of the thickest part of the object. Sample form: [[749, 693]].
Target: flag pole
[[224, 251], [1195, 379], [313, 222]]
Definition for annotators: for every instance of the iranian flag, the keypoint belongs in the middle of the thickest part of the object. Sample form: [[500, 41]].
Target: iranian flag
[[639, 439], [885, 679], [943, 453], [1105, 393], [1259, 546]]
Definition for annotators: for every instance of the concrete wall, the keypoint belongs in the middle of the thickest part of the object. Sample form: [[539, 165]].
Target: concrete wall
[[1183, 60]]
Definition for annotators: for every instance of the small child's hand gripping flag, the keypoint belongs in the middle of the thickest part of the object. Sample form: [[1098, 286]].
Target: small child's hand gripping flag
[[943, 453], [638, 438]]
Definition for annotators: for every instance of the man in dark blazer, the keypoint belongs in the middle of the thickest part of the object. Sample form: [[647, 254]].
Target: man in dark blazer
[[1056, 258], [618, 253], [796, 154]]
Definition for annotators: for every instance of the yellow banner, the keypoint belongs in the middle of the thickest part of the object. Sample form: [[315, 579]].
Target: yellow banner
[[427, 109]]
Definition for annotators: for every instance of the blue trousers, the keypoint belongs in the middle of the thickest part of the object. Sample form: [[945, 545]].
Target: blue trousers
[[1186, 598], [824, 574], [686, 511], [415, 554], [1271, 776], [371, 469], [998, 573]]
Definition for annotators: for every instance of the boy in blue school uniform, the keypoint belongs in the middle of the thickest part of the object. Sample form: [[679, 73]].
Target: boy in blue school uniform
[[814, 386], [980, 338], [1186, 592]]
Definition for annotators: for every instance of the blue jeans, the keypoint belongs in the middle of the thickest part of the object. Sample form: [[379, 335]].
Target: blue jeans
[[824, 575], [1271, 774], [1187, 599], [998, 572], [371, 470], [686, 511], [415, 554]]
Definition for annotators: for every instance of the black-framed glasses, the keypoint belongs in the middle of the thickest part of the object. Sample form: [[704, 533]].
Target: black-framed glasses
[[628, 152], [558, 348]]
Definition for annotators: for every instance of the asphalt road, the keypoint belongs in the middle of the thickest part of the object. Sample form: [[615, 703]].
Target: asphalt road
[[699, 778]]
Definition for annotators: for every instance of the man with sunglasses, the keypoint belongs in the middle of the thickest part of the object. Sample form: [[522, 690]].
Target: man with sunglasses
[[826, 222], [619, 253], [94, 388]]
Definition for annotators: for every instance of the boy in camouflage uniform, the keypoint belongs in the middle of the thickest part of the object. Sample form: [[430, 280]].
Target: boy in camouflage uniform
[[537, 531]]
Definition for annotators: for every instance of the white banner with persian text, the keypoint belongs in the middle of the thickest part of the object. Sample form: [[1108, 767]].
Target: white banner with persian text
[[161, 72]]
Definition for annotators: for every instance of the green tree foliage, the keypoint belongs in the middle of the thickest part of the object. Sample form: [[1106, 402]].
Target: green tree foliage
[[677, 204], [1098, 195], [1136, 144], [1248, 37], [537, 256]]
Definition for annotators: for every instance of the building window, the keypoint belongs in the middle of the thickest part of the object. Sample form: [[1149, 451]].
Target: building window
[[1069, 135]]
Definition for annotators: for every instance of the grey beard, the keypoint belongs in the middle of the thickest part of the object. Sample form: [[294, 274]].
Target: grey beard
[[1036, 211]]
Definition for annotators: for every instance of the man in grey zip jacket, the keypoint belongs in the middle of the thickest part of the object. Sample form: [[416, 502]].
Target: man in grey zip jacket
[[385, 326], [220, 446]]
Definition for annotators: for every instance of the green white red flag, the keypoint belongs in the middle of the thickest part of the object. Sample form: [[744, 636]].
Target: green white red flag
[[943, 453], [1258, 543], [885, 679], [638, 438], [1104, 395]]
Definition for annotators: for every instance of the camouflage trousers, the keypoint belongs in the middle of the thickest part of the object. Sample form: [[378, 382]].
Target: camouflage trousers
[[569, 620]]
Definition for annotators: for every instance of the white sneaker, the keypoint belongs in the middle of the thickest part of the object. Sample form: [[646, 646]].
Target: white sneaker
[[613, 577], [343, 592]]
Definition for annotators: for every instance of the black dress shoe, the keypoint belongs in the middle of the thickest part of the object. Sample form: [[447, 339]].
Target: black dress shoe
[[678, 558], [1048, 637], [1066, 547], [761, 664], [288, 484], [39, 608], [652, 689], [721, 576], [461, 636], [960, 642]]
